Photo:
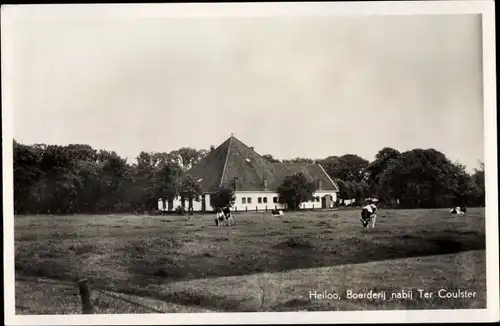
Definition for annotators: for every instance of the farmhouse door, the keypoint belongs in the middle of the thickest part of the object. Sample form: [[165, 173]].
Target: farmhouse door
[[326, 201]]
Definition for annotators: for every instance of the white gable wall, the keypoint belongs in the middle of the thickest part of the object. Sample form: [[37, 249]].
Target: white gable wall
[[177, 202], [254, 201], [267, 200]]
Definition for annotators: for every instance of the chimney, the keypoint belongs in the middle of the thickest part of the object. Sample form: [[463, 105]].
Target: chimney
[[265, 183], [251, 148], [235, 181], [212, 147]]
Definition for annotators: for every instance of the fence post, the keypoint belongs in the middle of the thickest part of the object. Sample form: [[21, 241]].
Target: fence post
[[84, 287], [313, 206], [266, 208], [256, 208], [246, 208]]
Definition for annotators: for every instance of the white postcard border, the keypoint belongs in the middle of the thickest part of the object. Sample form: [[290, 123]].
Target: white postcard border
[[486, 8]]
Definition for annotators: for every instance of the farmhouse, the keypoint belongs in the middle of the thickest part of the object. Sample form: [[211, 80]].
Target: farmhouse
[[254, 180]]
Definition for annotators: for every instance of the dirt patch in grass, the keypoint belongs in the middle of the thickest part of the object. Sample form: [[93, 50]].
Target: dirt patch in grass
[[293, 244], [208, 254]]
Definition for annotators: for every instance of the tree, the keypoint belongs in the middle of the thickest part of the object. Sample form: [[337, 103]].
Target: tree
[[477, 189], [190, 189], [295, 190], [59, 184], [187, 157], [145, 183], [301, 160], [361, 190], [114, 174], [223, 197], [421, 179], [167, 179], [27, 174], [345, 189], [269, 158], [347, 167], [375, 169]]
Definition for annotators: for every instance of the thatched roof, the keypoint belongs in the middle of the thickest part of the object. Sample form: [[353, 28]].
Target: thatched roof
[[235, 164]]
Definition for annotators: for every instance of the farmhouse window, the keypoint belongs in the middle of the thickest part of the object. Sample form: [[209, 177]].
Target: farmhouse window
[[275, 200], [249, 200], [243, 200], [259, 200], [265, 200]]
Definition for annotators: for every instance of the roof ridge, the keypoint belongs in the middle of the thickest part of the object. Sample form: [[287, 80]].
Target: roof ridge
[[225, 162], [324, 171]]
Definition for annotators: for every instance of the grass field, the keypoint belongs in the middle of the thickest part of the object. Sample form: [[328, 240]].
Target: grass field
[[143, 264]]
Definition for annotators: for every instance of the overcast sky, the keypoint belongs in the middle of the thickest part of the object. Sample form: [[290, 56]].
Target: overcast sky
[[310, 87]]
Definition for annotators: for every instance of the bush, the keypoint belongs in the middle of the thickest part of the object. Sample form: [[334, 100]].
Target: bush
[[223, 197]]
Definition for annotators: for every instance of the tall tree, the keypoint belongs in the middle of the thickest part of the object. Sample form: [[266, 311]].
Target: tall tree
[[27, 173], [477, 193], [144, 182], [187, 157], [420, 179], [60, 180], [189, 189], [168, 178], [375, 169], [347, 167], [295, 190], [114, 174], [345, 190]]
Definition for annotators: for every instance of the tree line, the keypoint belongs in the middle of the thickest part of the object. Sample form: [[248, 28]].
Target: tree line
[[418, 178], [77, 178]]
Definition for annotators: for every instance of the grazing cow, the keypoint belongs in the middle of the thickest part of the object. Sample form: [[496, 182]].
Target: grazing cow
[[219, 217], [229, 216], [224, 217], [368, 214], [277, 212], [458, 210]]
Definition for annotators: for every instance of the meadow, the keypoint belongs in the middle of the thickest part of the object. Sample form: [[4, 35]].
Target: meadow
[[144, 264]]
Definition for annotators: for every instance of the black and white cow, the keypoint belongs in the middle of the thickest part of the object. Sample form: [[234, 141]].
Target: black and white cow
[[224, 217], [368, 214], [277, 212]]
